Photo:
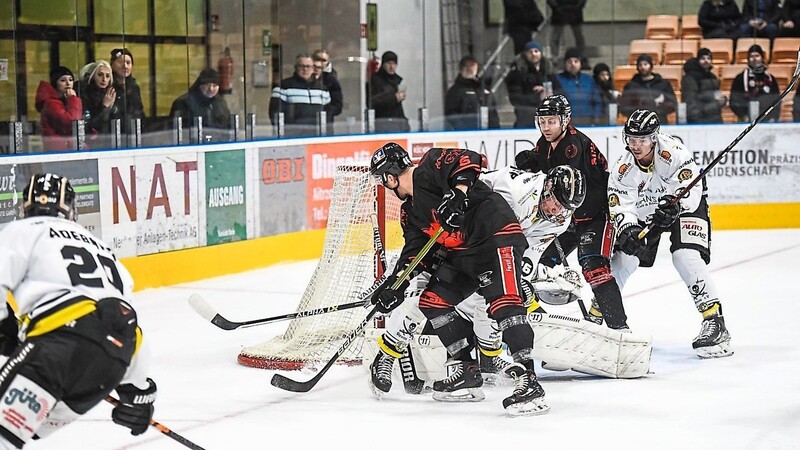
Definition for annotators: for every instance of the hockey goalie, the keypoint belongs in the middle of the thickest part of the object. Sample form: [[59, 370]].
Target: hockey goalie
[[561, 342]]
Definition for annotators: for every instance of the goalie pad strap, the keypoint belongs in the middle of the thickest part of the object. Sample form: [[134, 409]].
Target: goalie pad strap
[[491, 353], [512, 321], [523, 356], [457, 346], [387, 349], [440, 321]]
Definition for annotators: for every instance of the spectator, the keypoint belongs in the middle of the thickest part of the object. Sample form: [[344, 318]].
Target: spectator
[[387, 94], [324, 57], [522, 19], [59, 106], [719, 19], [331, 84], [526, 83], [580, 90], [605, 84], [466, 96], [129, 97], [755, 84], [204, 100], [760, 18], [567, 12], [789, 26], [700, 90], [98, 96], [648, 90], [300, 98]]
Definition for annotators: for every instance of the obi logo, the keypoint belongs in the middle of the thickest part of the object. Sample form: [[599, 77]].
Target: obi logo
[[24, 397]]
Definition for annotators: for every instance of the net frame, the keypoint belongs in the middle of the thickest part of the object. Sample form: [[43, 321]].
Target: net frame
[[349, 265]]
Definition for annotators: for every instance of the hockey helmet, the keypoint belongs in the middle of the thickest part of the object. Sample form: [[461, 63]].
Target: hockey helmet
[[568, 186], [389, 159], [49, 195], [555, 105], [641, 123]]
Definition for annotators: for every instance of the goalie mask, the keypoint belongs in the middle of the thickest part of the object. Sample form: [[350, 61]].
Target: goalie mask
[[567, 186], [49, 195]]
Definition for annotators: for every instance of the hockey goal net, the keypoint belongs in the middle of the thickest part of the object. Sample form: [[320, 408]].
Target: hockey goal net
[[348, 266]]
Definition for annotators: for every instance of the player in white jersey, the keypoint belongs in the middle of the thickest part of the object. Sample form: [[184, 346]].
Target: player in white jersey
[[543, 204], [77, 337], [641, 189]]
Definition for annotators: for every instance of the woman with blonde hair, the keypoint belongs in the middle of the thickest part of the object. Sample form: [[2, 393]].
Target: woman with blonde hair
[[98, 96]]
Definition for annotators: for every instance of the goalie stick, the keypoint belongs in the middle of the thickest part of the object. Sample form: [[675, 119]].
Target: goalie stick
[[288, 384], [684, 192], [163, 429]]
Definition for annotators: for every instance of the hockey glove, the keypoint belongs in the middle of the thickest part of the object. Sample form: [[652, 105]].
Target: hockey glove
[[9, 333], [667, 212], [450, 212], [387, 299], [628, 240], [135, 408], [527, 160]]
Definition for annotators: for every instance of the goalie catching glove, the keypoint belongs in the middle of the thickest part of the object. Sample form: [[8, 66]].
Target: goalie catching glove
[[450, 212], [667, 211], [628, 240], [135, 408], [387, 299]]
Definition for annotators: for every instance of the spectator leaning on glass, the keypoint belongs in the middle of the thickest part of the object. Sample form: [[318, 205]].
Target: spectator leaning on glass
[[300, 98], [203, 100], [129, 96], [465, 98], [387, 94], [59, 106], [700, 90]]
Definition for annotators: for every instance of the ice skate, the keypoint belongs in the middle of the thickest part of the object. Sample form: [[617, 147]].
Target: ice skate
[[462, 385], [492, 369], [528, 396], [380, 380], [714, 339]]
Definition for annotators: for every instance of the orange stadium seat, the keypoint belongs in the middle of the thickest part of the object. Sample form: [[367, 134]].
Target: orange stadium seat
[[721, 49], [782, 73], [727, 75], [786, 106], [784, 50], [677, 52], [652, 47], [623, 74], [661, 27], [743, 44], [690, 28], [673, 74]]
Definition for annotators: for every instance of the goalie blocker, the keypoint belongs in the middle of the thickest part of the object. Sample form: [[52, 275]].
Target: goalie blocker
[[563, 342]]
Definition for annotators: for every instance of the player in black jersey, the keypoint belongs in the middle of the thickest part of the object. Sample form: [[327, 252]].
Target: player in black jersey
[[591, 233], [484, 244]]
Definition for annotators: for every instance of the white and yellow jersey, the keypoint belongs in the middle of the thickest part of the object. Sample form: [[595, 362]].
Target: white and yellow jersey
[[46, 261], [633, 190], [522, 191]]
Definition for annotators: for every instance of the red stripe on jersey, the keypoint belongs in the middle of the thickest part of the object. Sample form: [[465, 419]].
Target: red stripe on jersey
[[431, 300], [504, 301], [608, 234], [512, 228], [508, 270]]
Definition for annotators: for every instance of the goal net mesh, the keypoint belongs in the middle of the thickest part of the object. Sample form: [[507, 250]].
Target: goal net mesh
[[346, 268]]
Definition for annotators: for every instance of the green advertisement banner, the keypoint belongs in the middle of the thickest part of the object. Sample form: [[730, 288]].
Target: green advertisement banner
[[226, 194]]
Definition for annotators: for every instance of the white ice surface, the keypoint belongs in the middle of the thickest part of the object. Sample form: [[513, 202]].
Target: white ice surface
[[748, 401]]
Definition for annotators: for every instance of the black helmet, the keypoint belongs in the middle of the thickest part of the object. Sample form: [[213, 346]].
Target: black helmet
[[641, 123], [568, 186], [555, 105], [49, 195], [389, 159]]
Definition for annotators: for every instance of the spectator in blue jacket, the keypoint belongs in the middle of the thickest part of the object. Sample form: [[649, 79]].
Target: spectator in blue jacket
[[300, 98], [581, 91]]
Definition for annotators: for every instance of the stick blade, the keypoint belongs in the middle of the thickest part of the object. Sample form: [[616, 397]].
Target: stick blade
[[201, 307], [287, 384]]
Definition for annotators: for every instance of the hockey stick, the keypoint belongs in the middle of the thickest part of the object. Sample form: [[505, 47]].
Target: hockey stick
[[201, 306], [288, 384], [566, 264], [163, 429], [703, 172]]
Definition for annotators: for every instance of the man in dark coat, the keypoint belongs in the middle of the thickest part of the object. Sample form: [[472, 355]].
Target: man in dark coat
[[755, 84], [700, 90], [203, 100], [465, 98], [719, 19], [567, 12], [522, 19], [300, 98], [387, 97], [526, 83], [648, 90]]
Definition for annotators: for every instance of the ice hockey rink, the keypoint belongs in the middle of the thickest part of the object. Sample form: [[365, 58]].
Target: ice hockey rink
[[748, 401]]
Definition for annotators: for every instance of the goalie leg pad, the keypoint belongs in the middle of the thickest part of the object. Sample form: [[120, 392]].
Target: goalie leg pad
[[590, 348]]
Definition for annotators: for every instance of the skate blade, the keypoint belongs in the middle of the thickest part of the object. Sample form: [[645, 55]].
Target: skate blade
[[496, 379], [554, 366], [377, 393], [534, 407], [460, 396], [720, 350]]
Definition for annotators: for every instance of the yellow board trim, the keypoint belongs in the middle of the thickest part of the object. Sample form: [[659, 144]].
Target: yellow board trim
[[183, 266], [761, 216], [62, 317]]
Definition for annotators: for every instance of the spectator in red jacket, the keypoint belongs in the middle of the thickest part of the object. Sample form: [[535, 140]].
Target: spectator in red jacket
[[59, 106]]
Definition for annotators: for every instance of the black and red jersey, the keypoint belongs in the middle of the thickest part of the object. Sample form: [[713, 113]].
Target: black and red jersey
[[440, 170], [578, 151]]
